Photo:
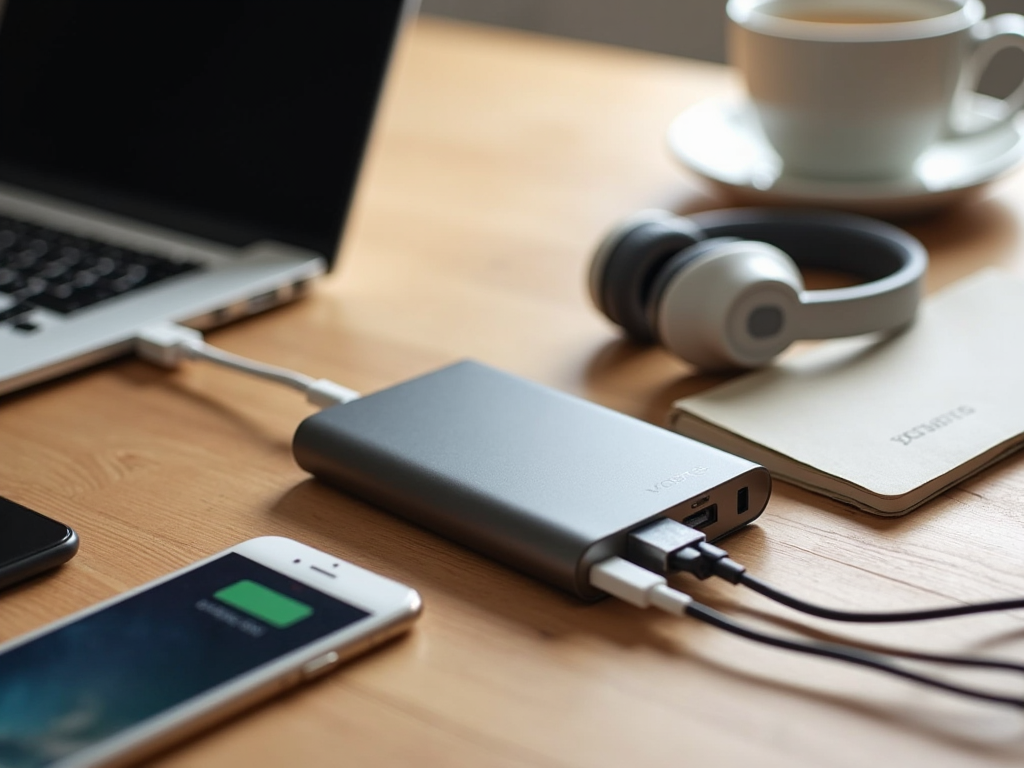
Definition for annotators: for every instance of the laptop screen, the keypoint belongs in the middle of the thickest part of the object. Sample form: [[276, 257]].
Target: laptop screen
[[235, 120]]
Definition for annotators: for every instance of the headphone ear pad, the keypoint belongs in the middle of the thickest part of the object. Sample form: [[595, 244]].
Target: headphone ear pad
[[671, 270], [629, 260], [728, 303]]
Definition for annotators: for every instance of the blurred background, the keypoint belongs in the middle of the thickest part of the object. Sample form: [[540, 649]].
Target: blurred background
[[691, 28]]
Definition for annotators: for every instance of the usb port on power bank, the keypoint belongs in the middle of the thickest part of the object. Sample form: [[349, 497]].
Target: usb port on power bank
[[703, 518], [742, 500]]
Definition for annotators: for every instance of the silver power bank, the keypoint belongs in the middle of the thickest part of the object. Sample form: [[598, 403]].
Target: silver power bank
[[537, 479]]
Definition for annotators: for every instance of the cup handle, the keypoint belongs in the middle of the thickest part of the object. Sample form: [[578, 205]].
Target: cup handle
[[990, 36]]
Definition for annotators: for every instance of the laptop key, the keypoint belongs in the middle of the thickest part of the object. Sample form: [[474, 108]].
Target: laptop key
[[11, 281]]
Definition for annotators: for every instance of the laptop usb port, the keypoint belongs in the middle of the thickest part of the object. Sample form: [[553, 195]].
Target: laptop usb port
[[263, 301], [703, 518]]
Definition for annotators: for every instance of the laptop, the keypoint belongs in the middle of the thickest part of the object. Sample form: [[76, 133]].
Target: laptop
[[173, 160]]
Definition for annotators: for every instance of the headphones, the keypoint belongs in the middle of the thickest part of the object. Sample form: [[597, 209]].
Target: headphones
[[723, 289]]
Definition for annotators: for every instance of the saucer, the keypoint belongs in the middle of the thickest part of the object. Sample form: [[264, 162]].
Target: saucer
[[721, 140]]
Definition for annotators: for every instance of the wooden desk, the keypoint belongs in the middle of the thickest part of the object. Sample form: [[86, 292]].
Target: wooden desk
[[499, 161]]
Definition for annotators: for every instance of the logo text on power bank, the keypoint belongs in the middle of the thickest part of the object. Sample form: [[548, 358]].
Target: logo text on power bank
[[682, 477]]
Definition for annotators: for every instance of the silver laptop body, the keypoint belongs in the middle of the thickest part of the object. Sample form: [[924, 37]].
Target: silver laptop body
[[172, 160]]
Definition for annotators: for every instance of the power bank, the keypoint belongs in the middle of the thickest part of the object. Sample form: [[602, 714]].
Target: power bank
[[540, 480]]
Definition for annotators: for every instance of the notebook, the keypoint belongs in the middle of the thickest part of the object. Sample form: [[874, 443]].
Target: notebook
[[172, 160], [884, 425]]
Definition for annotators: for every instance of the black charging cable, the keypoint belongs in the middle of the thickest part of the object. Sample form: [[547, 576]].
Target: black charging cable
[[644, 588], [666, 546], [873, 660], [705, 560]]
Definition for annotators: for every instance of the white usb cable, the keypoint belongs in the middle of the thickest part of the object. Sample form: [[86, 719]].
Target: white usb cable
[[167, 344]]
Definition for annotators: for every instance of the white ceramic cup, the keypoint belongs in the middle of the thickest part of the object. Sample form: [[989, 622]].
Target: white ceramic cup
[[858, 89]]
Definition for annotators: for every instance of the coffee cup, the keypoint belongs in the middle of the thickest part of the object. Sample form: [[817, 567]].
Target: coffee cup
[[859, 89]]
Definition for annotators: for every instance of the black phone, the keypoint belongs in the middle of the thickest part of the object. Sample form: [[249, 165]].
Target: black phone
[[31, 543]]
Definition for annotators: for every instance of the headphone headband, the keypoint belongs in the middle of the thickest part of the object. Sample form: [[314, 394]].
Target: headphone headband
[[891, 261]]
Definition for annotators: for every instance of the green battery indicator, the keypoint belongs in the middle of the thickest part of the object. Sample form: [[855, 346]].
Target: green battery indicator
[[263, 603]]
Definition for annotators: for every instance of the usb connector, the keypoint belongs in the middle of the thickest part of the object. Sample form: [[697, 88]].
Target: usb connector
[[653, 546], [666, 546], [637, 586], [167, 344]]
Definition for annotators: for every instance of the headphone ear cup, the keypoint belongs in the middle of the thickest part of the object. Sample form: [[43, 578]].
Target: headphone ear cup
[[629, 259], [730, 303], [671, 270]]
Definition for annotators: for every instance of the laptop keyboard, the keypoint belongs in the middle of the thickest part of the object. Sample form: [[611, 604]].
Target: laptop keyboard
[[42, 267]]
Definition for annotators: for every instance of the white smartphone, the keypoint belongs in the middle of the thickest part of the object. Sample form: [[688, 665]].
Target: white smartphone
[[134, 674]]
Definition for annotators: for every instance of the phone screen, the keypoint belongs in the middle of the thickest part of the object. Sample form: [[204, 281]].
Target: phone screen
[[86, 681]]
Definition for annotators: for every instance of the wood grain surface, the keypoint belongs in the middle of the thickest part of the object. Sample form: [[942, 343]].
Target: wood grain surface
[[499, 161]]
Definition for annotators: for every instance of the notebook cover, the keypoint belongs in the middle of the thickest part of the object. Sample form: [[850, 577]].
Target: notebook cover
[[884, 425]]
